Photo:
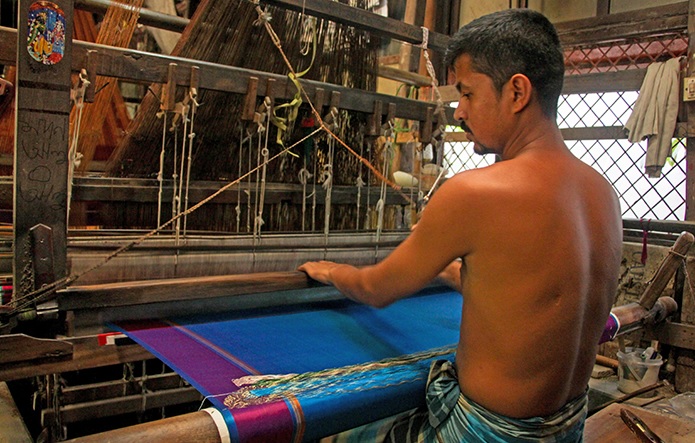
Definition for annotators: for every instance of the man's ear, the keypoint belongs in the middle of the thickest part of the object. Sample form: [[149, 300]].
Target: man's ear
[[521, 90]]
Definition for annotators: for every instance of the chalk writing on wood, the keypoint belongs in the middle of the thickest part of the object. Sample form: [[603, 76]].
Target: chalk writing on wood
[[45, 140], [43, 148]]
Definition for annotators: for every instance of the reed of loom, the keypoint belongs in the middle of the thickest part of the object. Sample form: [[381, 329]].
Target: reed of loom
[[224, 33]]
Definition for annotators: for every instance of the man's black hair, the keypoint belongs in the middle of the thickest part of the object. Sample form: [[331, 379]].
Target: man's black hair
[[514, 41]]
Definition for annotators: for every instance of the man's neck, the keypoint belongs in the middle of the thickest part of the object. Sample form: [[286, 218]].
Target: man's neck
[[534, 131]]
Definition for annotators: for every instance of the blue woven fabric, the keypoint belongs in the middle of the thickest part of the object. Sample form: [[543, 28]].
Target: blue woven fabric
[[306, 339]]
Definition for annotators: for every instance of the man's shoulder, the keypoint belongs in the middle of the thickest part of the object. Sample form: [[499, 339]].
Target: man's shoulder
[[481, 179], [468, 187]]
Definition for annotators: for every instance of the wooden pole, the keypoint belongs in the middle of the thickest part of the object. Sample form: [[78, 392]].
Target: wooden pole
[[667, 268], [42, 110], [180, 289], [690, 112], [196, 426]]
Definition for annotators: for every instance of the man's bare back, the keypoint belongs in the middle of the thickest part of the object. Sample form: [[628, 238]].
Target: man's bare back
[[538, 235], [534, 306]]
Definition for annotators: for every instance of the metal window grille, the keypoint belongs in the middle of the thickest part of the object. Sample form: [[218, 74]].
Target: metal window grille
[[621, 162], [625, 54]]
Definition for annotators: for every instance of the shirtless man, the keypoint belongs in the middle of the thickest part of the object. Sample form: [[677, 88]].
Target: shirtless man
[[539, 239]]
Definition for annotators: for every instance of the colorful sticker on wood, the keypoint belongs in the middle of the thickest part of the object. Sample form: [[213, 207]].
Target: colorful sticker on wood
[[46, 32]]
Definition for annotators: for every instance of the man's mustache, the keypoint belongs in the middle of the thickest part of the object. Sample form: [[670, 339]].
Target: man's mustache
[[465, 127]]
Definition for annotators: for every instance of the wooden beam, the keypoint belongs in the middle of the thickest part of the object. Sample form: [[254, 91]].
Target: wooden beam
[[42, 113], [335, 12], [145, 67], [407, 77], [21, 347], [146, 191], [122, 405], [196, 426], [147, 17], [679, 335], [119, 388], [186, 289], [86, 354], [373, 23], [667, 269], [670, 226], [633, 24], [618, 81], [663, 19], [596, 133]]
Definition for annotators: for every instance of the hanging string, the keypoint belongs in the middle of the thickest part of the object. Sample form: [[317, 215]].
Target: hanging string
[[308, 37], [174, 175], [381, 203], [433, 76], [46, 291], [237, 208], [645, 238], [264, 153], [184, 110], [304, 176], [257, 194], [359, 183], [264, 19], [259, 218], [328, 181], [160, 174], [74, 158], [368, 212], [248, 187], [192, 94], [313, 196]]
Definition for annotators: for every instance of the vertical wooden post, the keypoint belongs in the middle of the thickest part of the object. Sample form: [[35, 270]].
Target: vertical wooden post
[[685, 373], [690, 112], [429, 23], [44, 43], [418, 20], [603, 7]]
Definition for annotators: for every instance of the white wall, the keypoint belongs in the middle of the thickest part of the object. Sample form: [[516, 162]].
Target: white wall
[[556, 10], [631, 5]]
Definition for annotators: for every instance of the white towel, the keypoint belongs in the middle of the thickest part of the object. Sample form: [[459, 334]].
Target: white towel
[[655, 112]]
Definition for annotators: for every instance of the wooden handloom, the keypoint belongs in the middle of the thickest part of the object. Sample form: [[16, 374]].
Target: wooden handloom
[[214, 266], [230, 85]]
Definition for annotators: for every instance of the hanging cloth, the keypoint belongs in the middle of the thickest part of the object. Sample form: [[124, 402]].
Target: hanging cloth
[[655, 112]]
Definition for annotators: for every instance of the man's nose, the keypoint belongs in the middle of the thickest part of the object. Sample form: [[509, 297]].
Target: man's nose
[[459, 113]]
